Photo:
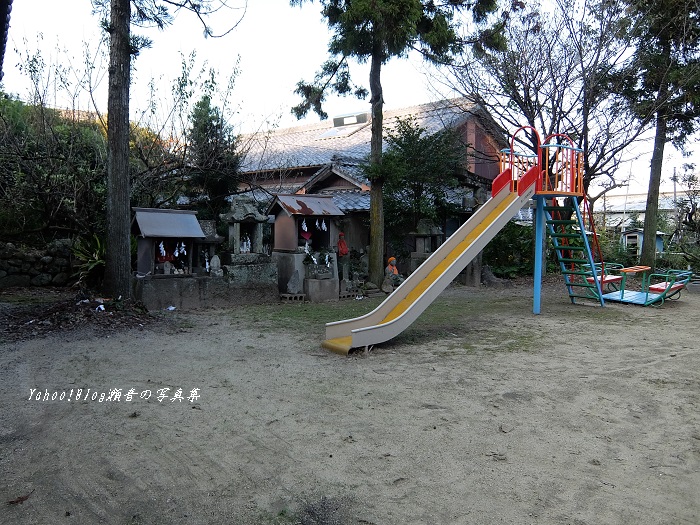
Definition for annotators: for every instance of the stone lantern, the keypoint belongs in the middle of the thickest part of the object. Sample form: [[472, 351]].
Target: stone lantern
[[245, 226], [427, 239]]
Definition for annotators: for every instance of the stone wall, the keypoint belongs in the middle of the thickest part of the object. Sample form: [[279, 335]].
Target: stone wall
[[192, 292], [250, 278], [29, 267]]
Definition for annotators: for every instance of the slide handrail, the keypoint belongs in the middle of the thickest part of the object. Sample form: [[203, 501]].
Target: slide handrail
[[562, 166], [559, 165]]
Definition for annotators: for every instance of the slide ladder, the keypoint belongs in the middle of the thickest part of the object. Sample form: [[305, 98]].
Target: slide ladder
[[567, 231]]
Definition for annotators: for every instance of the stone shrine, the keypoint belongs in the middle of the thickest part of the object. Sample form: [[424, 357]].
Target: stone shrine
[[245, 226]]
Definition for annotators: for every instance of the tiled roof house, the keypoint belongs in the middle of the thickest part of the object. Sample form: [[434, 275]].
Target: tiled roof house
[[294, 155], [326, 157]]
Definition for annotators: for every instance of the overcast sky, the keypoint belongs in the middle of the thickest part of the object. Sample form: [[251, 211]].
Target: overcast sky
[[278, 45]]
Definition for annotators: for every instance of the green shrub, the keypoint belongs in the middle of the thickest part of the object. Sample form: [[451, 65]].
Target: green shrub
[[90, 254], [511, 252], [673, 260], [613, 250]]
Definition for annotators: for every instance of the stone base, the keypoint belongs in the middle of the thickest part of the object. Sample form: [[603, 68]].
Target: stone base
[[190, 292], [472, 274], [288, 263], [293, 297], [321, 290], [247, 258], [259, 270], [417, 258]]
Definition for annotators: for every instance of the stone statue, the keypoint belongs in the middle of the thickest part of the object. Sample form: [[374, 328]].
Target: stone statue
[[215, 267]]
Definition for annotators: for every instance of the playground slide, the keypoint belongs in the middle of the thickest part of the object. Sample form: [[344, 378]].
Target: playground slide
[[420, 289]]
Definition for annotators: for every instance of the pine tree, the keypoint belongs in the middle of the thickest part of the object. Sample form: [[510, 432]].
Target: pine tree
[[213, 162], [663, 87]]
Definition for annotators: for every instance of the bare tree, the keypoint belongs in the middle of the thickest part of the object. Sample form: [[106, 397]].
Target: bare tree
[[559, 74]]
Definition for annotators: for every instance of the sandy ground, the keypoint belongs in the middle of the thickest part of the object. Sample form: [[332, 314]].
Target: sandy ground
[[481, 413]]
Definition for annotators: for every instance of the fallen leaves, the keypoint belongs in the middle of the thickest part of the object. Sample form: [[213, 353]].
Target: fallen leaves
[[61, 314]]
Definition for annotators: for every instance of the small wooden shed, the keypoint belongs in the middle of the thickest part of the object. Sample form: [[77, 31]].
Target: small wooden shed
[[632, 240], [301, 219], [165, 241]]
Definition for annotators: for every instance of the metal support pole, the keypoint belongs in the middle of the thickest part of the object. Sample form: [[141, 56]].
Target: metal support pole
[[539, 252]]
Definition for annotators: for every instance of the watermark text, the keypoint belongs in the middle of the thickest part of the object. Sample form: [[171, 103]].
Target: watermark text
[[115, 395]]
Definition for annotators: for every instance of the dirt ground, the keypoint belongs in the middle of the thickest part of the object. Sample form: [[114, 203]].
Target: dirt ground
[[481, 413]]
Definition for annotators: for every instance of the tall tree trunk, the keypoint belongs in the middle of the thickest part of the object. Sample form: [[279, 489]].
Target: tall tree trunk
[[648, 256], [376, 204], [118, 264]]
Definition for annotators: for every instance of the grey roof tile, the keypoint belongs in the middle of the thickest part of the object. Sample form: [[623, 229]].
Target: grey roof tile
[[153, 222], [350, 201], [317, 144], [665, 203]]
